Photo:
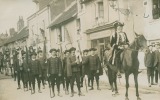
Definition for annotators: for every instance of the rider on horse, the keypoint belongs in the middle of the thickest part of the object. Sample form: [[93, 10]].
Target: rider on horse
[[118, 42]]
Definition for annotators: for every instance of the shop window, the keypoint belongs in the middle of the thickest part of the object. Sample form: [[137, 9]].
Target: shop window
[[156, 9], [94, 43]]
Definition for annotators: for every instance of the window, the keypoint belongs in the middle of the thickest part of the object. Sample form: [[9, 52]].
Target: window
[[156, 9], [100, 10]]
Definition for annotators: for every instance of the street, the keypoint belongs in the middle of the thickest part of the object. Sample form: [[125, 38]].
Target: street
[[8, 91]]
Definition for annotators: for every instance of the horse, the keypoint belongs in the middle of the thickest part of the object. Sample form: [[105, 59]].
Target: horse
[[130, 63]]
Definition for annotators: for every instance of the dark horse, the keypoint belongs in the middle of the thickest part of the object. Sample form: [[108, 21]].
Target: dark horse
[[130, 63]]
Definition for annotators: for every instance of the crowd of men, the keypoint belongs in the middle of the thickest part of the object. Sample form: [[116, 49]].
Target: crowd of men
[[30, 67], [152, 62]]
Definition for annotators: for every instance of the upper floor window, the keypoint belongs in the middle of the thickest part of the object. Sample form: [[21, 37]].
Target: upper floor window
[[100, 9], [156, 9]]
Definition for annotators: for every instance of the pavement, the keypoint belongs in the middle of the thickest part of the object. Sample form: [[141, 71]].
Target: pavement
[[8, 91]]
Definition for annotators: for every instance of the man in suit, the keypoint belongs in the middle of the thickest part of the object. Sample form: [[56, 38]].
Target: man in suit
[[94, 66], [158, 66], [149, 63], [55, 70], [156, 53], [35, 71]]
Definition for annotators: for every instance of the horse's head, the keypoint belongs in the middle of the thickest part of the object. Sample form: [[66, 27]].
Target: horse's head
[[139, 42]]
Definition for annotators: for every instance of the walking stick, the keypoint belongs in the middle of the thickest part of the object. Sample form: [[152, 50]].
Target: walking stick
[[85, 80], [81, 57]]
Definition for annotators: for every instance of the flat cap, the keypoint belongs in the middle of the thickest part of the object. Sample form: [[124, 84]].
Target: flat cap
[[66, 51], [86, 50], [92, 49], [58, 50], [72, 49], [39, 51], [33, 53], [52, 50]]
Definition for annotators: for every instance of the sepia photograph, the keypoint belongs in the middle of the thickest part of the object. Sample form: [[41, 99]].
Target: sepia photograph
[[79, 49]]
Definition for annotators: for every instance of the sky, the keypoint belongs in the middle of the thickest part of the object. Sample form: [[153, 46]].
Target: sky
[[10, 10]]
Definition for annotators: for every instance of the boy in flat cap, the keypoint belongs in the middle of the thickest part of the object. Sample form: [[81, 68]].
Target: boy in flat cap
[[43, 67], [118, 42], [94, 66], [85, 67], [18, 69], [67, 70], [35, 71], [55, 71], [75, 67], [25, 70], [62, 80]]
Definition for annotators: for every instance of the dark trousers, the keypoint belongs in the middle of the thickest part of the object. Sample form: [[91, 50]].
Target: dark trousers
[[75, 77], [26, 78], [96, 76], [156, 75], [68, 81], [150, 74], [33, 78], [55, 79], [20, 77], [44, 76], [63, 81]]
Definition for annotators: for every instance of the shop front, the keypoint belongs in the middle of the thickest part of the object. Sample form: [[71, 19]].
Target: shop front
[[100, 39]]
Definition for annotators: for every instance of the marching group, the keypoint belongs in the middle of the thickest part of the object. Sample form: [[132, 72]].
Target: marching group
[[31, 66]]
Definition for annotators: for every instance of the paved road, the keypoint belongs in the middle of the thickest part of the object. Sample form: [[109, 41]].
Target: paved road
[[8, 91]]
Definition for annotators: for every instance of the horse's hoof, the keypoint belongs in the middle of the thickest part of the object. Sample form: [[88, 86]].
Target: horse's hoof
[[117, 93], [138, 98], [127, 98]]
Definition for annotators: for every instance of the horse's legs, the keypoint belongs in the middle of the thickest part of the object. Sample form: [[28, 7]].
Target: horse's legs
[[136, 85], [115, 83], [127, 85]]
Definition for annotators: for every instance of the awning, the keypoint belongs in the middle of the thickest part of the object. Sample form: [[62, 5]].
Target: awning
[[100, 28], [65, 16]]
